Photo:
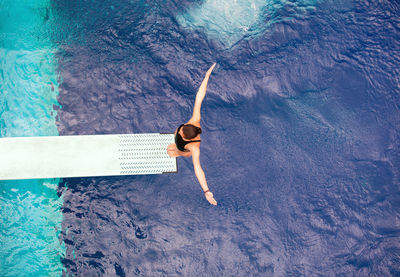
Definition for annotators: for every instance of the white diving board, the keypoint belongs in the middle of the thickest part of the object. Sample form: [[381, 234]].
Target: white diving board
[[84, 156]]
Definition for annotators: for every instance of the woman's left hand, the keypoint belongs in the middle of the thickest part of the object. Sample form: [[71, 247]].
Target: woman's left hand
[[210, 198]]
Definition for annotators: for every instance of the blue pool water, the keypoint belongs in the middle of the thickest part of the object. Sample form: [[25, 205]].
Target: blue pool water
[[300, 145]]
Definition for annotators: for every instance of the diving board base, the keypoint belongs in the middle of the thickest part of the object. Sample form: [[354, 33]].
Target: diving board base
[[85, 156]]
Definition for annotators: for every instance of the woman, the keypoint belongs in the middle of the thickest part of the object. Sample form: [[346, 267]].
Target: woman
[[187, 139]]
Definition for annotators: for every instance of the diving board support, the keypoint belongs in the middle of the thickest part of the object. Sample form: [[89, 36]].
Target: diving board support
[[84, 156]]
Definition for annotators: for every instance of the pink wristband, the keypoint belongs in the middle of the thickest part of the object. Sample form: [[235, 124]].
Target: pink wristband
[[206, 191]]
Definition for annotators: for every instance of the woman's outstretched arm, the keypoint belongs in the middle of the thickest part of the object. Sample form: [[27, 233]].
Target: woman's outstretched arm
[[201, 93], [201, 176]]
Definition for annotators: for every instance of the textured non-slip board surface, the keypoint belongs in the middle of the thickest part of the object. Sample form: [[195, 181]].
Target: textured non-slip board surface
[[83, 156]]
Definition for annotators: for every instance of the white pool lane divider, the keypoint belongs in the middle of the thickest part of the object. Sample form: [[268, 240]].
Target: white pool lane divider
[[85, 156]]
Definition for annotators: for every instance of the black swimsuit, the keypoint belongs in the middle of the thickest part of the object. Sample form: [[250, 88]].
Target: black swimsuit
[[180, 143]]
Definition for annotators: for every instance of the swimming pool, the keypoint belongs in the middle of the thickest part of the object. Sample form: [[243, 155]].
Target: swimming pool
[[30, 210], [300, 143]]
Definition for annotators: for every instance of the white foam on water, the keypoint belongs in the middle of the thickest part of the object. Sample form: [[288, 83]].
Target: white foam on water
[[232, 20]]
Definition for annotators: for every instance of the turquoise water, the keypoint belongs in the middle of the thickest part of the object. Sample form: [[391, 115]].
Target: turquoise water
[[30, 215]]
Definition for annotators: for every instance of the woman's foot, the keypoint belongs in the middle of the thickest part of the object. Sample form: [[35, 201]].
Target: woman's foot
[[172, 151], [172, 154]]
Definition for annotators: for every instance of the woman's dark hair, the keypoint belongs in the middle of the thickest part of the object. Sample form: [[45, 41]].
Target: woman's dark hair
[[190, 131]]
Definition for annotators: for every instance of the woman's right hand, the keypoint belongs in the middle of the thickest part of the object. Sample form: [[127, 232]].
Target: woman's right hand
[[211, 69], [210, 198]]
